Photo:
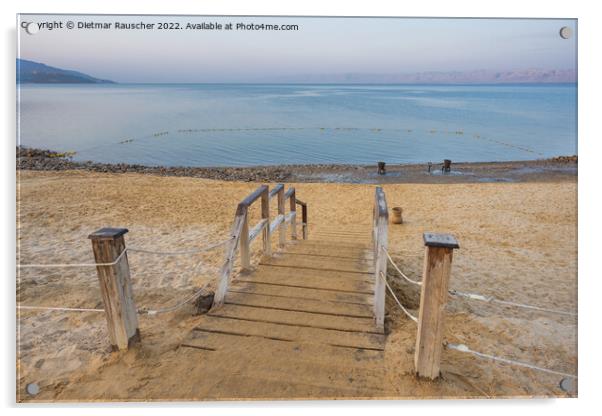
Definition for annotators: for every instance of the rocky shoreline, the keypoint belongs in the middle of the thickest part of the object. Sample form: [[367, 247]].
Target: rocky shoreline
[[554, 169]]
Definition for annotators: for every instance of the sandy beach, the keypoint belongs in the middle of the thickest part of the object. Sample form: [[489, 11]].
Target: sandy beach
[[518, 242]]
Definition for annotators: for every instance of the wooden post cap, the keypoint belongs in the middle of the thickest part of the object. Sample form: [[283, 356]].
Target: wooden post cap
[[440, 240], [107, 233]]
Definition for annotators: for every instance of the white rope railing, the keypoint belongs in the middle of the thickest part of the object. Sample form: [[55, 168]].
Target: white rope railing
[[180, 253], [410, 253], [179, 305], [409, 315], [53, 308], [128, 249], [479, 297], [482, 298], [175, 307], [67, 265], [463, 348], [402, 274], [491, 299], [143, 311]]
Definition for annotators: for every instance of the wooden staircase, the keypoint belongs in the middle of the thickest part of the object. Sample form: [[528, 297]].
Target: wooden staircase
[[299, 326]]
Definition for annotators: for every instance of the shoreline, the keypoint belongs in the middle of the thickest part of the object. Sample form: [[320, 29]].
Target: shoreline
[[561, 168]]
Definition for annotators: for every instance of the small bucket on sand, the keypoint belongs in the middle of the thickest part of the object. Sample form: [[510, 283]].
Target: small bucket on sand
[[396, 219]]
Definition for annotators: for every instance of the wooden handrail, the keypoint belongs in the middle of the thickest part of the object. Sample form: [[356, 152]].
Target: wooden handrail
[[304, 225], [291, 195], [252, 197], [242, 237], [380, 223], [276, 189]]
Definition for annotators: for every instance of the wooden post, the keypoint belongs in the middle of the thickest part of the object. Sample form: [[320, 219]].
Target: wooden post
[[226, 270], [265, 214], [108, 245], [293, 205], [433, 298], [304, 220], [245, 249], [446, 165], [281, 210], [380, 258]]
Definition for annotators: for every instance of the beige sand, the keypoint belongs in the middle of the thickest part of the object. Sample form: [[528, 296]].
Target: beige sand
[[518, 242]]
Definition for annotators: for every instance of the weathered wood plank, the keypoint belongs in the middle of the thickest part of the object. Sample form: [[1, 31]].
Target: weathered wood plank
[[304, 222], [281, 214], [257, 229], [276, 190], [307, 279], [108, 245], [367, 257], [297, 333], [245, 244], [357, 265], [300, 305], [263, 387], [293, 210], [289, 217], [252, 197], [381, 224], [265, 215], [293, 318], [318, 362], [328, 248], [433, 298], [303, 293], [276, 223], [226, 270], [342, 245]]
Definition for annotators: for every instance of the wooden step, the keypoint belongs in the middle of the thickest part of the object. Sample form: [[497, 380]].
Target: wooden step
[[359, 340], [299, 351], [364, 232], [342, 241], [362, 236], [322, 366], [301, 293], [311, 279], [294, 318], [327, 249], [240, 387], [342, 246], [351, 228], [364, 256], [358, 264], [300, 305]]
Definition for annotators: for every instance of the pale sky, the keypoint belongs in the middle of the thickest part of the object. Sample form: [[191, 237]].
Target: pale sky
[[320, 46]]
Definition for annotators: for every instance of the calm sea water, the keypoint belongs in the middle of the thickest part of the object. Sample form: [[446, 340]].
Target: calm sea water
[[243, 125]]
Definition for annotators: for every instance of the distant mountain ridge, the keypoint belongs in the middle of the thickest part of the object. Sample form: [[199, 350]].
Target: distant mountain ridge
[[38, 73], [449, 77]]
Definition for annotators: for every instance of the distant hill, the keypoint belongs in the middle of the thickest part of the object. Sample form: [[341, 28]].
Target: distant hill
[[444, 77], [38, 73]]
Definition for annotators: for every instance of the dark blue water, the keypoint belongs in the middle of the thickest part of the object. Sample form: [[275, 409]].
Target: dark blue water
[[242, 125]]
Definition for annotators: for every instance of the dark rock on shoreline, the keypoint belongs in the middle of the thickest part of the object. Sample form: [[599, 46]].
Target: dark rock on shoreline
[[38, 159], [549, 170]]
